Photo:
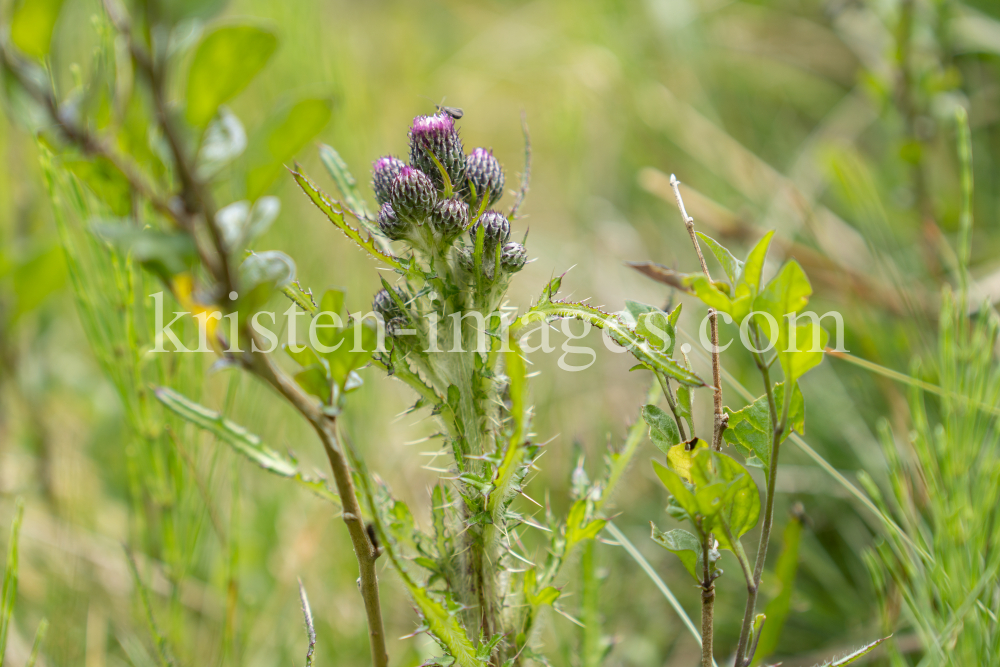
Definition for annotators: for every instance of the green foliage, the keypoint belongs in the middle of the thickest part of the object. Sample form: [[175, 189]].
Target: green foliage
[[225, 61], [749, 429], [31, 25]]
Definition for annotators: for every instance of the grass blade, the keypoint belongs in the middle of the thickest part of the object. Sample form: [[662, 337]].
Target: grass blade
[[10, 577], [36, 647]]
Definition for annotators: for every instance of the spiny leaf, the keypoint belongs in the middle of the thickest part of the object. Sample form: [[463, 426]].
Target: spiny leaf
[[336, 216], [848, 659], [640, 348], [241, 440], [508, 468]]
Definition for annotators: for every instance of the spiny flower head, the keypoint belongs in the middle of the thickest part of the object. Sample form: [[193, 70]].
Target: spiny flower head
[[384, 172], [413, 195], [450, 217], [386, 306], [513, 256], [437, 135], [486, 175], [496, 228], [390, 224]]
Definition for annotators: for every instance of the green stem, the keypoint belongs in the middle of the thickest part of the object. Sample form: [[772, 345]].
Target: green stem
[[777, 429], [668, 393]]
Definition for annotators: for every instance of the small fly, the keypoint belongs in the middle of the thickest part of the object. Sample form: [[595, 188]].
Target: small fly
[[454, 112]]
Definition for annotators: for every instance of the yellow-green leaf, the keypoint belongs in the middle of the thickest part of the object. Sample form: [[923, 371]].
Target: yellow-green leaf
[[31, 26]]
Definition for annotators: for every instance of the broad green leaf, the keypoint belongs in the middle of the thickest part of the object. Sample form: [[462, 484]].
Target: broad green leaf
[[732, 266], [741, 503], [242, 441], [285, 133], [656, 328], [677, 488], [685, 545], [31, 26], [224, 141], [271, 267], [807, 350], [749, 429], [680, 457], [787, 293], [333, 301], [164, 253], [106, 181], [356, 343], [784, 571], [336, 216], [304, 357], [634, 309], [848, 659], [315, 381], [662, 428], [35, 279], [754, 266], [224, 63], [710, 294]]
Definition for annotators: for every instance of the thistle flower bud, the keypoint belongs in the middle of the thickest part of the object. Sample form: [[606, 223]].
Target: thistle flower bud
[[413, 195], [512, 257], [486, 175], [384, 172], [390, 224], [450, 217], [386, 306], [395, 325], [437, 135], [496, 226]]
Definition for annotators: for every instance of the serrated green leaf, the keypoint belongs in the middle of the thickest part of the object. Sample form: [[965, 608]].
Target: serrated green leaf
[[848, 659], [242, 441], [224, 63], [685, 545], [31, 26], [662, 428], [640, 348], [336, 216], [749, 429], [732, 266], [514, 455]]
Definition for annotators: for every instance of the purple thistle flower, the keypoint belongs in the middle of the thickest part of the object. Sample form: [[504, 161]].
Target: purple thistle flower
[[390, 224], [437, 135]]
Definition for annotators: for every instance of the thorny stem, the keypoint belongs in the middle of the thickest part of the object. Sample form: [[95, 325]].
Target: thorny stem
[[777, 429], [721, 420]]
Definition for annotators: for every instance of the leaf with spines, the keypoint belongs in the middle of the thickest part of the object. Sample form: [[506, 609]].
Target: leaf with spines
[[507, 471], [640, 348], [580, 525], [852, 657], [336, 216], [242, 441], [345, 181]]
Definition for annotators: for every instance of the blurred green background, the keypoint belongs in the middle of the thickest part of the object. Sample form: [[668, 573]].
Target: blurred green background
[[830, 121]]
